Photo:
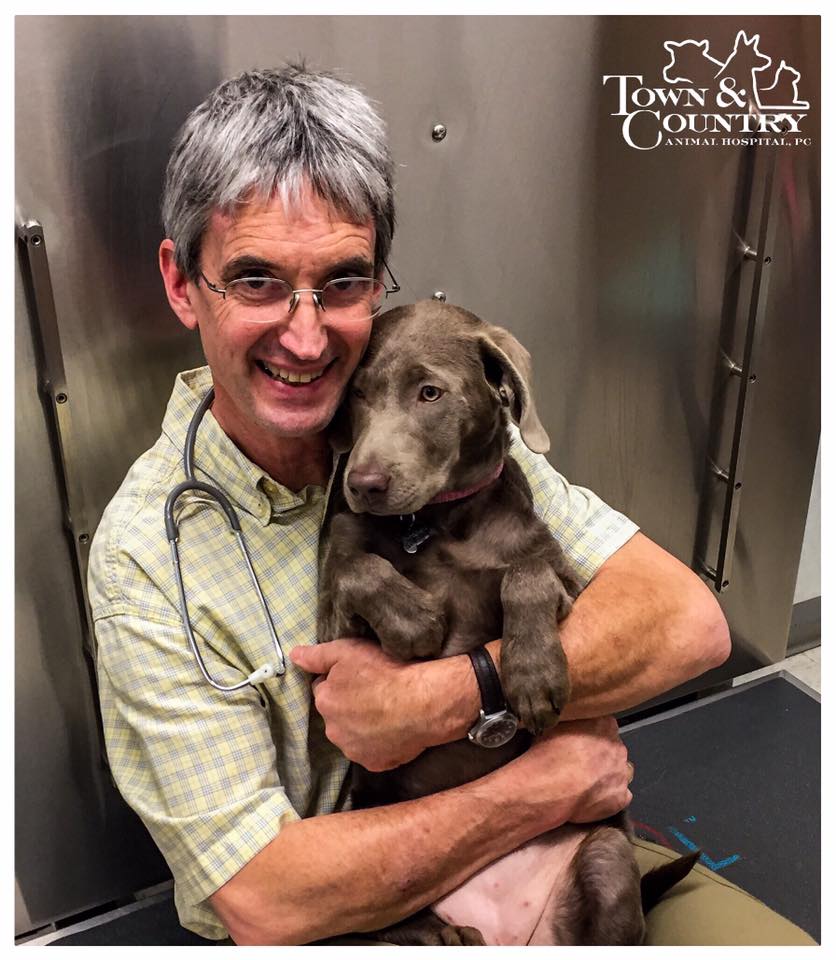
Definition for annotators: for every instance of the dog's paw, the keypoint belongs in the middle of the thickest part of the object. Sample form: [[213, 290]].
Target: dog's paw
[[461, 936], [536, 688], [414, 635]]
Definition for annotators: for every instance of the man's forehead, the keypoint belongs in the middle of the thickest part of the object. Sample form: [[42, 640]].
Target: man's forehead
[[307, 216]]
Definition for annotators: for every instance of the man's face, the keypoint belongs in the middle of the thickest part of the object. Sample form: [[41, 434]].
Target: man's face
[[306, 247]]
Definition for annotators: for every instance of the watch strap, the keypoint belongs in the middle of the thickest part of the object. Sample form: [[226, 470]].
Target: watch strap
[[493, 699]]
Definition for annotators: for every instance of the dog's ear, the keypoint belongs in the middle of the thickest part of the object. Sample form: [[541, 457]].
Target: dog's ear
[[339, 431], [508, 368]]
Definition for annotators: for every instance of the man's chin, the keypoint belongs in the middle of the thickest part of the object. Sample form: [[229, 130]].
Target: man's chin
[[297, 424]]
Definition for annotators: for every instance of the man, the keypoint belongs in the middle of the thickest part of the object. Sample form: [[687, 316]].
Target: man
[[278, 184]]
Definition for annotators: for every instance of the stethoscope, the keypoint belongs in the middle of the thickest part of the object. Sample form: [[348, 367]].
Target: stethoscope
[[190, 483]]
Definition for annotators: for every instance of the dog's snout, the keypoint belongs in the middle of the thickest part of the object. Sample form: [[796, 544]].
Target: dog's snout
[[368, 480]]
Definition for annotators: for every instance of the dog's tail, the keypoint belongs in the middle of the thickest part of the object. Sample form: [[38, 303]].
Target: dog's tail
[[656, 882]]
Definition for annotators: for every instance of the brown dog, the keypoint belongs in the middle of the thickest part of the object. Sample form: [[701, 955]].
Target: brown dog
[[433, 548]]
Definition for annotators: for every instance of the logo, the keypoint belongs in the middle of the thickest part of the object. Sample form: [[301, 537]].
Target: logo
[[707, 101]]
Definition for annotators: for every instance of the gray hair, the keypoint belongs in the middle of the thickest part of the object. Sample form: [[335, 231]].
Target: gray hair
[[272, 132]]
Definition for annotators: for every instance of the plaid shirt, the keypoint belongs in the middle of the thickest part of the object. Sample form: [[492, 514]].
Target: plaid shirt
[[215, 775]]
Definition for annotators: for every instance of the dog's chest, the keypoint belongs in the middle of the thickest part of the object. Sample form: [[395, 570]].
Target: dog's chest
[[465, 576]]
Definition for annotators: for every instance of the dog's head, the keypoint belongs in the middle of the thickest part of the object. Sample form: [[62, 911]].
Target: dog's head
[[426, 410]]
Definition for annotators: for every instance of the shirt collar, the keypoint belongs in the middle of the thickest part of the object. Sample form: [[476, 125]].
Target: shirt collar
[[218, 461]]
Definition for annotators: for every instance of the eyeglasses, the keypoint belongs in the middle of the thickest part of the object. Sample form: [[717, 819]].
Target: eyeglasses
[[357, 297]]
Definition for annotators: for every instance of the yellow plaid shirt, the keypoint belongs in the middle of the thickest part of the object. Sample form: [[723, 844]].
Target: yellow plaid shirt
[[215, 775]]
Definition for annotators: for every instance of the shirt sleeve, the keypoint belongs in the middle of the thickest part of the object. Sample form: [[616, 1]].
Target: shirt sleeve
[[197, 765], [586, 528]]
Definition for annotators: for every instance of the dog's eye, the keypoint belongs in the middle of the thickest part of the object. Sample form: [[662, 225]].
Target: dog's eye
[[430, 393], [357, 393]]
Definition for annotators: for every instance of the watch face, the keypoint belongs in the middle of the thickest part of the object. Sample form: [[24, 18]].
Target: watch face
[[497, 730]]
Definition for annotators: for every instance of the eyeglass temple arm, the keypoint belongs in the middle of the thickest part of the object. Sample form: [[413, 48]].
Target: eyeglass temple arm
[[396, 287], [220, 290]]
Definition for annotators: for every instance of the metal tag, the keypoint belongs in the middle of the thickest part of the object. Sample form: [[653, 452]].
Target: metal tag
[[412, 540]]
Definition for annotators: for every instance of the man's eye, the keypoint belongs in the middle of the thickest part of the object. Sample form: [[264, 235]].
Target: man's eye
[[259, 290], [430, 393]]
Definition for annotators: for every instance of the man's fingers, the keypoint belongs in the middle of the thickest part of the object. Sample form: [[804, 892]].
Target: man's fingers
[[322, 656], [316, 659]]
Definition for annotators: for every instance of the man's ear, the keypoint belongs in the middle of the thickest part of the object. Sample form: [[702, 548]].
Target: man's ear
[[177, 286]]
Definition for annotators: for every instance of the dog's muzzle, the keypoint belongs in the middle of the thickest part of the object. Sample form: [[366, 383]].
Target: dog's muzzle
[[368, 485]]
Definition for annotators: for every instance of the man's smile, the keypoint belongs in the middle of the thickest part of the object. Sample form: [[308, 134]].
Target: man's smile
[[286, 375], [297, 381]]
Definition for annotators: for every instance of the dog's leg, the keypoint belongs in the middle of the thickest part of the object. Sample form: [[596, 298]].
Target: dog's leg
[[535, 675], [406, 619]]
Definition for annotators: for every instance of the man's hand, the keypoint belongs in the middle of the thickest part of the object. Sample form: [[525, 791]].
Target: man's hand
[[585, 757], [373, 705]]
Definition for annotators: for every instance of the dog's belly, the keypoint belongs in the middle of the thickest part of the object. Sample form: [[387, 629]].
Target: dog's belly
[[507, 900]]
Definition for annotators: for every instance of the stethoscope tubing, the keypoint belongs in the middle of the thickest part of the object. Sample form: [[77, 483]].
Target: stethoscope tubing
[[173, 534]]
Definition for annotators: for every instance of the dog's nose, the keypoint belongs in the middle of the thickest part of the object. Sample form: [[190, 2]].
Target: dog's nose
[[368, 480]]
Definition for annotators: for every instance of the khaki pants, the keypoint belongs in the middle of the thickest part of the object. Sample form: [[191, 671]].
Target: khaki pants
[[706, 910], [701, 910]]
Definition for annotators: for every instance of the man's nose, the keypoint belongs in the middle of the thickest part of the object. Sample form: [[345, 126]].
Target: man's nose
[[368, 479], [304, 335]]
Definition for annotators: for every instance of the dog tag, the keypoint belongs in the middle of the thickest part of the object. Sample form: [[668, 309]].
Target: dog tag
[[415, 536]]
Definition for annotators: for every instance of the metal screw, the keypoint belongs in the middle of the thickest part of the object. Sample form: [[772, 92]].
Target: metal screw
[[83, 538], [753, 378], [60, 397], [440, 295], [36, 239], [439, 132]]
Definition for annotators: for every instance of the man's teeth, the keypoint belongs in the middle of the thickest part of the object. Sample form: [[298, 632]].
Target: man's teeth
[[288, 376]]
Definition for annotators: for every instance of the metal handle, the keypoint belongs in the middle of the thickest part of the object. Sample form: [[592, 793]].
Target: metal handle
[[732, 477], [53, 386]]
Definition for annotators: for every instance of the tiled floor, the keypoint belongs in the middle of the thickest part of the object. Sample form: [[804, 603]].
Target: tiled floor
[[805, 666]]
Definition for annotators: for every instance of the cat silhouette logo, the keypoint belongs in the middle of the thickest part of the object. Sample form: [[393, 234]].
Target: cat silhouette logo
[[751, 72]]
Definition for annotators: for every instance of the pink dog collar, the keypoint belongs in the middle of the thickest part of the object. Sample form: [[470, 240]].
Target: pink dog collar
[[461, 494]]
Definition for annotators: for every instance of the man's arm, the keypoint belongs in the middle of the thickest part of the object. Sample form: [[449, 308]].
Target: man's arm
[[365, 869], [644, 624]]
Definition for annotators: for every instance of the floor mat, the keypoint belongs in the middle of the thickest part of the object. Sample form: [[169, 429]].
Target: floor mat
[[152, 925], [738, 776]]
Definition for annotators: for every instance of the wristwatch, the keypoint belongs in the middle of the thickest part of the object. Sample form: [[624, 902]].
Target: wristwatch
[[496, 724]]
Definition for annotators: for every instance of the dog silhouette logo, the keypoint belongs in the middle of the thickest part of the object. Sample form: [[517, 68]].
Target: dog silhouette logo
[[747, 73]]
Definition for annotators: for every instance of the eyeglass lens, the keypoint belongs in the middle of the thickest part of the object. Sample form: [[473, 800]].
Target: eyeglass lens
[[344, 294]]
